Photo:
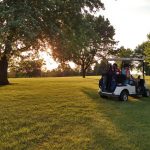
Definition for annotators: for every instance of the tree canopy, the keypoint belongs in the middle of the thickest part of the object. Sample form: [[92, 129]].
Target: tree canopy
[[92, 36], [27, 24], [143, 50], [146, 46]]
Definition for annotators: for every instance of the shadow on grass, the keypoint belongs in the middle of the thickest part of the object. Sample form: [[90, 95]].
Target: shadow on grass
[[9, 84], [106, 133], [4, 85], [123, 120], [93, 94]]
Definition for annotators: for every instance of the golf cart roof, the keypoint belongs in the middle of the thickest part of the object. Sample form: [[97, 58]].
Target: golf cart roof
[[125, 59]]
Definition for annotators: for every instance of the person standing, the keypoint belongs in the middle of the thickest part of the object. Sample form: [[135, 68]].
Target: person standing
[[109, 77]]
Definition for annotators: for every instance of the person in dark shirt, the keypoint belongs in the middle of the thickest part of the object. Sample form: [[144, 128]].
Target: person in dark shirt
[[116, 70], [109, 77]]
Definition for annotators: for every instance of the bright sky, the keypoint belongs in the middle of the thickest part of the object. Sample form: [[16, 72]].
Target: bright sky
[[131, 20], [50, 63]]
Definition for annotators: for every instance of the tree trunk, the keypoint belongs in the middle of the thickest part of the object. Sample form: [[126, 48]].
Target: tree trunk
[[4, 61], [83, 71], [3, 71]]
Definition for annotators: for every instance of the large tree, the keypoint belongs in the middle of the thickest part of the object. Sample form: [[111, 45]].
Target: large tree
[[123, 52], [93, 36], [147, 49], [100, 68], [143, 50], [26, 24]]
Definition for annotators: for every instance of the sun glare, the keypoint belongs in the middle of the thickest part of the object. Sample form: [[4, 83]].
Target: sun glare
[[50, 64]]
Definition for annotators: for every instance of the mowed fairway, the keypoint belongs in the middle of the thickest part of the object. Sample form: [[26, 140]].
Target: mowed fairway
[[68, 114]]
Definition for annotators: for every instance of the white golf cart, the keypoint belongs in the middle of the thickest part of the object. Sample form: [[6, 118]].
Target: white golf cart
[[124, 89]]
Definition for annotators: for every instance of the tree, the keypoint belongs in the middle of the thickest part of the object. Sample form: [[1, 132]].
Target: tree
[[66, 70], [147, 49], [124, 52], [92, 36], [27, 24], [101, 67], [30, 68], [29, 65], [143, 50]]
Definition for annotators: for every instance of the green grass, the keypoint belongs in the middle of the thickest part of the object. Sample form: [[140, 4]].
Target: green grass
[[68, 114]]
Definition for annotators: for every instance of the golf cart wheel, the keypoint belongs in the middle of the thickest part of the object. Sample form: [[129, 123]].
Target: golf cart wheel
[[124, 96]]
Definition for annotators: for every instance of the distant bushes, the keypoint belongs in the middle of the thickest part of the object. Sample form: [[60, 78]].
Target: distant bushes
[[58, 72]]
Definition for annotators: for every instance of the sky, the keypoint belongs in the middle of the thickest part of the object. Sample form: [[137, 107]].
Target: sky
[[50, 64], [131, 20]]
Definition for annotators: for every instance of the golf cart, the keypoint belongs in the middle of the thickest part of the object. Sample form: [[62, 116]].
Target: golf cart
[[122, 87]]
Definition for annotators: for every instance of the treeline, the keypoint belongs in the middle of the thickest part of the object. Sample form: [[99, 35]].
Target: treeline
[[34, 69], [29, 66]]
